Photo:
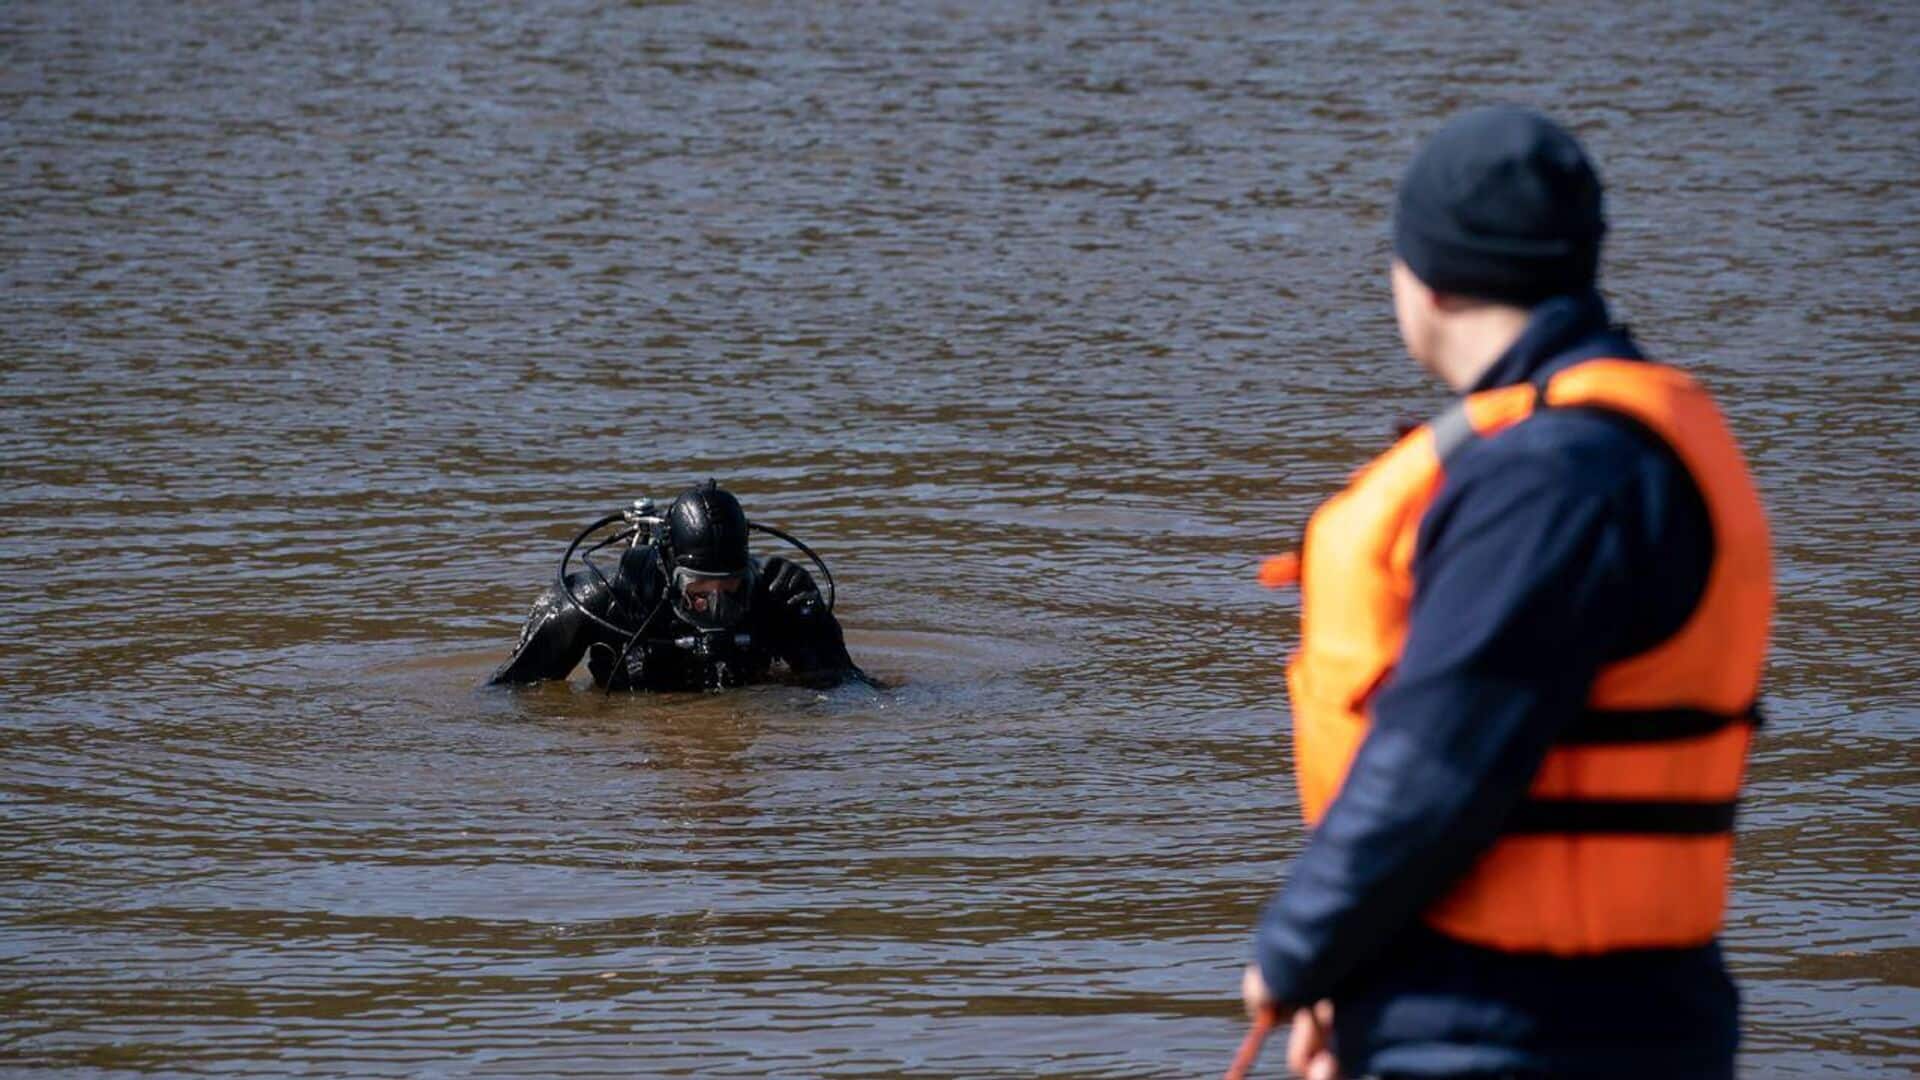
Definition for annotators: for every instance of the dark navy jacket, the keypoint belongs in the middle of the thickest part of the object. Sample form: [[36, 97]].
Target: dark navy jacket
[[1562, 544]]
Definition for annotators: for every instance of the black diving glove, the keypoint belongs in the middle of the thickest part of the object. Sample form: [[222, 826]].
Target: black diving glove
[[805, 634], [786, 584], [633, 667]]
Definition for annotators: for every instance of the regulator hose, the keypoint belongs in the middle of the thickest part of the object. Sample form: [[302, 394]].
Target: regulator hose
[[566, 587]]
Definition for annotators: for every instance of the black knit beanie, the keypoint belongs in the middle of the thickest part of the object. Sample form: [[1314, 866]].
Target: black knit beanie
[[1501, 204]]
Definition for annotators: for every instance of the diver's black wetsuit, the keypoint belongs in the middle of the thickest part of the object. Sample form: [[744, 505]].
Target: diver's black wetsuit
[[785, 621]]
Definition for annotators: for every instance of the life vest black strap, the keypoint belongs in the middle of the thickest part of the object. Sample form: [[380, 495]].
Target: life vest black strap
[[1607, 727], [1591, 816]]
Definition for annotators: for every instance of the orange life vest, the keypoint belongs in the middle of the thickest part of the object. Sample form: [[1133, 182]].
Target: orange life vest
[[1625, 837]]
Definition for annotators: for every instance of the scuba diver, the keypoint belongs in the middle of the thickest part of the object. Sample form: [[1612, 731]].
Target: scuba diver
[[687, 608]]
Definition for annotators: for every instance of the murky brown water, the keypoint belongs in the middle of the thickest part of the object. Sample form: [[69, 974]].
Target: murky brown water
[[325, 324]]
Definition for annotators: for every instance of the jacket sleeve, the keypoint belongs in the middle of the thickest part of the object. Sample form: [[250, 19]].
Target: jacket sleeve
[[1522, 585], [556, 633]]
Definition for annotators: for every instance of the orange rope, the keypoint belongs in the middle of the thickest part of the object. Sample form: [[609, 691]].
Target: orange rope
[[1257, 1032]]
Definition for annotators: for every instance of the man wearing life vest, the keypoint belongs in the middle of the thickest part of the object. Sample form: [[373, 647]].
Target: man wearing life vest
[[1531, 640]]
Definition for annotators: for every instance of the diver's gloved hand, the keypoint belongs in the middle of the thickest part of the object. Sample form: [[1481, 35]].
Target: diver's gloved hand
[[786, 584], [636, 665], [631, 673]]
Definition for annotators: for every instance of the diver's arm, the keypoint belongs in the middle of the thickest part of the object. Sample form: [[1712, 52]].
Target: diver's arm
[[799, 628], [817, 653], [557, 633]]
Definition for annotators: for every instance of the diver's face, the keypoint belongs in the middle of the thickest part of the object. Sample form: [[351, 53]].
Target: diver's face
[[711, 601], [702, 593]]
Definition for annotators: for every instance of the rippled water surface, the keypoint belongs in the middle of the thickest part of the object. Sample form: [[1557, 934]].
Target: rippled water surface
[[325, 324]]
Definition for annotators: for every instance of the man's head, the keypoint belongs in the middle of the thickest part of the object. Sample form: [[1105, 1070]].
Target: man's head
[[706, 557], [1501, 207]]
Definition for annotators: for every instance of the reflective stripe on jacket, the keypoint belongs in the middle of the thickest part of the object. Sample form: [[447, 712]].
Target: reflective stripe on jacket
[[1625, 836]]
